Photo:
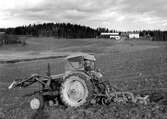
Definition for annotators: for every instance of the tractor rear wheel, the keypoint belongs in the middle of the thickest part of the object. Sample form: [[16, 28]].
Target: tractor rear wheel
[[76, 90]]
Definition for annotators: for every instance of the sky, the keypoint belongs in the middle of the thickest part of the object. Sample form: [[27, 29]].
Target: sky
[[113, 14]]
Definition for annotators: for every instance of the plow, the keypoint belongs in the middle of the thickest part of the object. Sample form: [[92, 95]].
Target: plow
[[81, 84]]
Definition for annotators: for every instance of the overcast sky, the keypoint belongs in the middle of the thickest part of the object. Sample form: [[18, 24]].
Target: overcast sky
[[113, 14]]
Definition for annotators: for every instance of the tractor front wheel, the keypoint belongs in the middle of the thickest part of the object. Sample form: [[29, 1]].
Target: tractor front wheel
[[37, 102]]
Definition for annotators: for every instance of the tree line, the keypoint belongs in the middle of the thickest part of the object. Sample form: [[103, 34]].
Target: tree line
[[58, 30], [68, 30], [154, 35]]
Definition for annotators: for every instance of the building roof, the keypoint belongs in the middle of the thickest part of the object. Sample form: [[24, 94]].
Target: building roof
[[84, 55], [113, 34]]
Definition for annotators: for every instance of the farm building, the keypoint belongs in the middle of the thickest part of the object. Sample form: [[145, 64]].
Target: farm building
[[115, 36], [134, 35]]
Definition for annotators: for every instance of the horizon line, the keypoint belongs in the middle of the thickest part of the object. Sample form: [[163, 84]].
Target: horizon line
[[25, 25]]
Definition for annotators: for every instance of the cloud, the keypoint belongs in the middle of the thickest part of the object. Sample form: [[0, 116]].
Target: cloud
[[114, 14]]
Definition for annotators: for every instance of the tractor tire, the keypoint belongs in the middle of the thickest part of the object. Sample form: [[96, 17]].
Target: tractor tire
[[76, 90], [36, 102]]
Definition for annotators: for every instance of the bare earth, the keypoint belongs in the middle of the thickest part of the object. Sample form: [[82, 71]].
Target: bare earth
[[128, 65]]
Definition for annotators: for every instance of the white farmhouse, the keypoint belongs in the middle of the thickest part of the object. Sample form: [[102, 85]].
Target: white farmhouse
[[115, 36], [134, 35]]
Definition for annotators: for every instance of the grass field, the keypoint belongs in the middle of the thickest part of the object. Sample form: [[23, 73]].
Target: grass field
[[128, 65]]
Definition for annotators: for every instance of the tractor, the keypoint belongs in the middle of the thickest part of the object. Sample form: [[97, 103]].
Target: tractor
[[80, 84]]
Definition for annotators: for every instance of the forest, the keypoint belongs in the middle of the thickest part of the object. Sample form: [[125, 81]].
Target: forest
[[154, 35], [68, 30], [58, 30]]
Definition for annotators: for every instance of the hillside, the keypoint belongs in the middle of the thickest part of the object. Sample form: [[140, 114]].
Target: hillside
[[58, 30]]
